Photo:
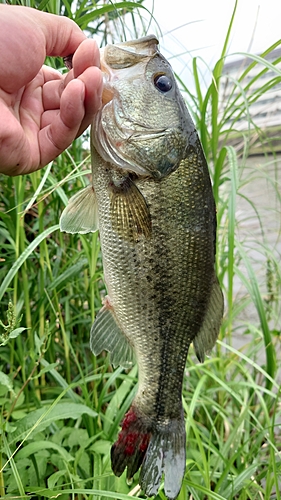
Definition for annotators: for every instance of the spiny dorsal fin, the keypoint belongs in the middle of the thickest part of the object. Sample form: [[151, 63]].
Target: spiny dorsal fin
[[107, 335], [129, 212], [81, 213], [207, 336]]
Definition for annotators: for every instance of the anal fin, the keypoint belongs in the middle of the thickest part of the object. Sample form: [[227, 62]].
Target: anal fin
[[207, 336], [81, 213], [106, 334]]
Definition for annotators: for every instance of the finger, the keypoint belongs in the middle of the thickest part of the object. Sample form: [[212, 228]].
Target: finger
[[62, 35], [61, 132], [51, 74], [15, 155], [84, 64], [50, 35], [22, 47], [86, 55], [51, 94], [92, 79], [48, 117]]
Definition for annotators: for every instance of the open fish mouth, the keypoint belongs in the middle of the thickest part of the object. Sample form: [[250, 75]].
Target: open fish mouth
[[107, 93], [129, 131], [113, 147]]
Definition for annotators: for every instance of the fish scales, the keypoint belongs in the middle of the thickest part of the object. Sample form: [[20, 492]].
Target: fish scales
[[145, 285], [151, 199]]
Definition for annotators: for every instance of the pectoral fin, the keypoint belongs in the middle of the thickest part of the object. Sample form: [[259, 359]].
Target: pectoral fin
[[207, 336], [107, 335], [129, 212], [81, 213]]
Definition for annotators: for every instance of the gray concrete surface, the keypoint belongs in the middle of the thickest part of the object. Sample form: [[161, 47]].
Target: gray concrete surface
[[259, 227]]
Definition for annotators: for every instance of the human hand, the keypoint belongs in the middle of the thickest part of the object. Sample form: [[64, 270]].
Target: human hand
[[42, 111]]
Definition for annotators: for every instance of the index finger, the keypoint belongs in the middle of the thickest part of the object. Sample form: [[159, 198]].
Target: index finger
[[63, 36]]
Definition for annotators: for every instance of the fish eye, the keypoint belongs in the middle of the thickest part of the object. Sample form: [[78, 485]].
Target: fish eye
[[163, 83]]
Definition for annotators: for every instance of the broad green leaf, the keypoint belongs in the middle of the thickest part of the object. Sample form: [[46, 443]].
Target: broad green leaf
[[6, 381], [38, 446], [53, 479], [38, 420], [15, 333], [102, 447]]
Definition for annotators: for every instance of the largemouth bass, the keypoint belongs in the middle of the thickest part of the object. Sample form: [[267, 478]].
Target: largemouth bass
[[152, 200]]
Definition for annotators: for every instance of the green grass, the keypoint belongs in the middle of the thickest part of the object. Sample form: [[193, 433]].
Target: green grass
[[60, 406]]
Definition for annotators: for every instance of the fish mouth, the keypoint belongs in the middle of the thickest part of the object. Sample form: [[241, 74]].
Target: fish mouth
[[107, 148], [107, 93], [121, 136], [123, 56]]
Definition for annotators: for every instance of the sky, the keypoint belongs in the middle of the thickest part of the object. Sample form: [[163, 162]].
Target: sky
[[198, 28]]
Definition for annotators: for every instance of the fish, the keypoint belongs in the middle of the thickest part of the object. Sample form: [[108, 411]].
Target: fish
[[151, 200]]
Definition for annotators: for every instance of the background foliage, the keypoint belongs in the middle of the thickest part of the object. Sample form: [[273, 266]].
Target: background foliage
[[60, 406]]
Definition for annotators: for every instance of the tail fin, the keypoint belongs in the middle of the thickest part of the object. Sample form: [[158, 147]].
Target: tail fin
[[157, 451], [165, 454]]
